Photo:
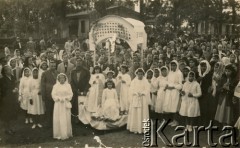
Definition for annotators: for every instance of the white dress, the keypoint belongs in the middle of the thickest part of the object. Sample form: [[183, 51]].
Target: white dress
[[160, 101], [173, 96], [37, 108], [139, 101], [123, 90], [95, 92], [62, 128], [153, 89], [190, 105], [110, 104], [24, 92]]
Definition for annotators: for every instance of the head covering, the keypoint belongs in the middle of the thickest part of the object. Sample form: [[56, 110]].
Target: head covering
[[163, 67], [187, 67], [194, 75], [149, 70], [174, 61], [30, 72], [9, 62], [62, 74], [33, 70], [139, 70], [207, 70]]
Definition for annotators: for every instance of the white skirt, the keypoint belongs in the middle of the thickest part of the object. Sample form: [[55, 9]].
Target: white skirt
[[37, 108], [189, 107]]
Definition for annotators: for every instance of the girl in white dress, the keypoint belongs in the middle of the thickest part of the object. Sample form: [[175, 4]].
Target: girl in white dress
[[97, 81], [139, 102], [110, 103], [36, 107], [175, 78], [162, 84], [190, 93], [62, 95], [149, 77], [123, 81], [24, 93]]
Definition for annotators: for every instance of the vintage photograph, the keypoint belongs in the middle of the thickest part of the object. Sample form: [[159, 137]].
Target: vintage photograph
[[119, 73]]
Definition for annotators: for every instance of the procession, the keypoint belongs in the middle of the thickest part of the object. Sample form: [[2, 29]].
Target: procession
[[116, 78]]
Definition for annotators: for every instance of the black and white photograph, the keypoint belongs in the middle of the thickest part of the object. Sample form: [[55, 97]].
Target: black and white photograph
[[119, 73]]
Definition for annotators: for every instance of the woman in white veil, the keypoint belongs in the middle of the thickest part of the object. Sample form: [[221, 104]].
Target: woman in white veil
[[62, 95]]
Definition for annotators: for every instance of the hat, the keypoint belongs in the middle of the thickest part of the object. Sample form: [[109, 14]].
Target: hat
[[110, 71]]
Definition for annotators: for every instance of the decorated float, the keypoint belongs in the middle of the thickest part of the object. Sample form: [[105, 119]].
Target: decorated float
[[109, 30]]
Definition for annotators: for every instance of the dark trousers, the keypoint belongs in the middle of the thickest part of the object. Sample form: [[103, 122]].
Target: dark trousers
[[49, 103]]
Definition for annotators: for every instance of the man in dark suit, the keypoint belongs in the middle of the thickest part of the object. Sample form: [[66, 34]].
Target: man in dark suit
[[65, 67], [18, 45], [80, 84], [47, 81]]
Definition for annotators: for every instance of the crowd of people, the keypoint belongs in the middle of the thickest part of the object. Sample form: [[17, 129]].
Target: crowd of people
[[187, 79]]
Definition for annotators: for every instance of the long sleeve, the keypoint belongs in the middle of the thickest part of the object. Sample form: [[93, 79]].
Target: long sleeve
[[69, 93], [178, 86], [54, 93], [20, 87], [198, 91]]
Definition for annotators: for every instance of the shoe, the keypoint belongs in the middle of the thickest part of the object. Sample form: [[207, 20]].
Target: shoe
[[175, 123], [26, 121], [39, 125], [171, 123], [34, 126], [30, 120], [190, 128]]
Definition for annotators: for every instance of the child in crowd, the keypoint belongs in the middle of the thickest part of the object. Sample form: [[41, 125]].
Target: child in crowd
[[154, 87], [36, 107], [190, 93], [62, 95], [139, 102], [24, 93], [110, 103], [97, 81], [162, 84], [123, 82]]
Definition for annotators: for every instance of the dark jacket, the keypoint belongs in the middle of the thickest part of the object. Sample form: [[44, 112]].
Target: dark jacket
[[47, 81], [83, 84]]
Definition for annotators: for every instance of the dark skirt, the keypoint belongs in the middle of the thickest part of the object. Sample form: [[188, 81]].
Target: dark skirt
[[224, 113]]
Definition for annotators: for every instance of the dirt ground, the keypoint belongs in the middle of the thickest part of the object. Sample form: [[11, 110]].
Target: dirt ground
[[82, 135]]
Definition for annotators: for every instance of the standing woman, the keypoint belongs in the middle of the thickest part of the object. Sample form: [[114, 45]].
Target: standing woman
[[172, 97], [139, 102], [205, 79], [62, 95], [9, 101], [224, 113]]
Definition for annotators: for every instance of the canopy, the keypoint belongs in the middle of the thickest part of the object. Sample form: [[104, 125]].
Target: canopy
[[128, 29]]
